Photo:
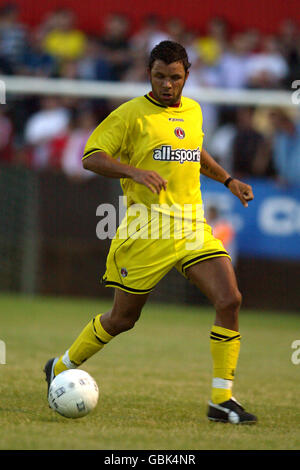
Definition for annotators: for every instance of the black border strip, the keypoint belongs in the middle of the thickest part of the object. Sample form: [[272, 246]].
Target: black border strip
[[89, 152], [127, 289], [95, 333], [219, 335], [203, 257], [233, 337], [153, 102]]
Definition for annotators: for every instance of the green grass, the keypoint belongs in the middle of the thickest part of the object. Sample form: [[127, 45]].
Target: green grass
[[154, 380]]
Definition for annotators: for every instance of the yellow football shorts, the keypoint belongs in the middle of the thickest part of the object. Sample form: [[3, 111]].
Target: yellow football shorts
[[141, 254]]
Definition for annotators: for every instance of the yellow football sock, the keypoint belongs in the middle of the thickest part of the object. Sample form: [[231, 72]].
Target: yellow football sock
[[92, 338], [225, 348]]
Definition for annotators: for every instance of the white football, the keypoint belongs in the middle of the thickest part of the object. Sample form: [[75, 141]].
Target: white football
[[73, 393]]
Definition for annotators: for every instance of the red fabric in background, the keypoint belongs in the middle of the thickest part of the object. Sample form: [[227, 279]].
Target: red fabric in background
[[265, 15]]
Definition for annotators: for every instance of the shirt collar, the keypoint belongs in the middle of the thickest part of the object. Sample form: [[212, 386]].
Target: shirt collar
[[150, 94]]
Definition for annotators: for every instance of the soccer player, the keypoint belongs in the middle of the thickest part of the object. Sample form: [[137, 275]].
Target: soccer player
[[153, 143]]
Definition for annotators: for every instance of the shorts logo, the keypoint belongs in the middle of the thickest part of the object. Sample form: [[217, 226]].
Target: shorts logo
[[124, 272], [179, 133]]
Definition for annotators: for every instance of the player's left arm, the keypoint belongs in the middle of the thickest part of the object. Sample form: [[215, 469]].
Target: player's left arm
[[211, 169]]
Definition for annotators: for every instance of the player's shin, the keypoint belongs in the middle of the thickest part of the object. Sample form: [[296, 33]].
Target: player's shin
[[225, 348], [92, 338]]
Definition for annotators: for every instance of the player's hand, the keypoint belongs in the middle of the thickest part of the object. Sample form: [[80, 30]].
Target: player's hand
[[242, 190], [151, 179]]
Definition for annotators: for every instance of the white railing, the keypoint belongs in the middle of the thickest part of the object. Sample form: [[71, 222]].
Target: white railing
[[97, 89]]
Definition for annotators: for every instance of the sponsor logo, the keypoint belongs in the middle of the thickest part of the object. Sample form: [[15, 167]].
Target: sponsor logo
[[175, 119], [179, 132], [166, 153]]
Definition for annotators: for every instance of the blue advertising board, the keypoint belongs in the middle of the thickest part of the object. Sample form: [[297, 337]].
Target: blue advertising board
[[269, 227]]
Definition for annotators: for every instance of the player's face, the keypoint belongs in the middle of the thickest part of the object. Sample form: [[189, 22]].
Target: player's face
[[167, 81]]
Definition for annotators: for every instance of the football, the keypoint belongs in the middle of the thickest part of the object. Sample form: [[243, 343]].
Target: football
[[73, 393]]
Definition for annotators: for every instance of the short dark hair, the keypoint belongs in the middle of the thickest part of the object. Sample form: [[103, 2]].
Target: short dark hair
[[169, 52]]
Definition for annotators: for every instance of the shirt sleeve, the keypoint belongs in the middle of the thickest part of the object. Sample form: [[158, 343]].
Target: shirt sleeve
[[109, 137]]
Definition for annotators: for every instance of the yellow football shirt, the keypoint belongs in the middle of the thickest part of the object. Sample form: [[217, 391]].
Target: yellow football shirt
[[148, 135], [65, 44]]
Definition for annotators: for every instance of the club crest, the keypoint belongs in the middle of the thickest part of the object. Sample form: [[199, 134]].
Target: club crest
[[124, 272], [179, 132]]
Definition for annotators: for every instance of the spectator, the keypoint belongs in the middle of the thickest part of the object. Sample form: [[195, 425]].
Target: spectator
[[150, 34], [289, 44], [35, 61], [68, 69], [92, 65], [114, 44], [85, 123], [233, 63], [6, 138], [137, 72], [64, 41], [251, 156], [268, 68], [253, 38], [42, 127], [6, 67], [189, 43], [148, 37], [222, 141], [13, 36], [175, 30], [211, 46], [204, 76], [48, 24], [57, 48], [223, 230], [56, 148], [286, 146]]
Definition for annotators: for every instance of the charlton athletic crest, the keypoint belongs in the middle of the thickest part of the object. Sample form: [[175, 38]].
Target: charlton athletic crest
[[179, 133], [124, 272]]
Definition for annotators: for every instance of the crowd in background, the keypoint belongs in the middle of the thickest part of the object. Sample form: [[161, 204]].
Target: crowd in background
[[50, 132]]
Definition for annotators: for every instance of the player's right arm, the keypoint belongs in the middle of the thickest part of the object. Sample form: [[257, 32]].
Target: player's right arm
[[105, 165]]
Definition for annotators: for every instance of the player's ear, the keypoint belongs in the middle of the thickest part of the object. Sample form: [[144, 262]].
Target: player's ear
[[186, 75]]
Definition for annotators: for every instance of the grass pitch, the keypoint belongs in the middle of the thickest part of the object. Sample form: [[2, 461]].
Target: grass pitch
[[154, 380]]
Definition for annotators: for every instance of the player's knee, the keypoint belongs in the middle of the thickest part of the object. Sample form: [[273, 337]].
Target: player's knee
[[230, 303], [124, 322]]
